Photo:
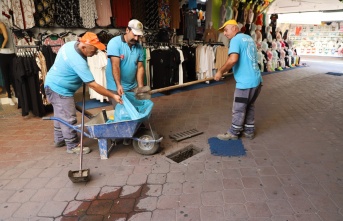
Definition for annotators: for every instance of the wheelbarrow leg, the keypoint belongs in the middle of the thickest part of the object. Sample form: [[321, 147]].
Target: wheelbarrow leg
[[103, 144]]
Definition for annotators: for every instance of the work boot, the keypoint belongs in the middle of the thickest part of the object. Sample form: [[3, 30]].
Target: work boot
[[250, 136], [77, 149], [60, 143], [227, 136]]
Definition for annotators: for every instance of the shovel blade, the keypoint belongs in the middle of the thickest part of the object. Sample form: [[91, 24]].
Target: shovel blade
[[79, 175]]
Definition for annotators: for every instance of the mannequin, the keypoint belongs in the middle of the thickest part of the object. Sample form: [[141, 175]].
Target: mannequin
[[253, 32], [264, 47], [235, 9], [229, 11], [258, 33], [269, 36], [270, 60], [275, 56], [6, 58], [282, 59], [222, 13]]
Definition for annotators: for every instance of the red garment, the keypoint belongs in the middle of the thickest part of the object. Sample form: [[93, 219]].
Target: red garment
[[121, 11], [259, 19]]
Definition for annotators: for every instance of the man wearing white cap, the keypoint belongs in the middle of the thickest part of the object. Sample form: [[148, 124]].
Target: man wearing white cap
[[243, 60], [125, 70]]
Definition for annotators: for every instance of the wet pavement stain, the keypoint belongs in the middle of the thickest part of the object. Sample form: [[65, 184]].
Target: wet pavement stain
[[111, 203]]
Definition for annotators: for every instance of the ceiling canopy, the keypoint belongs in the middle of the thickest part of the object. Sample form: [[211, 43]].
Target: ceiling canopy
[[292, 6]]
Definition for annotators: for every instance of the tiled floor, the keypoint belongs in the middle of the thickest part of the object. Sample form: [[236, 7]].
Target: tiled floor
[[292, 171]]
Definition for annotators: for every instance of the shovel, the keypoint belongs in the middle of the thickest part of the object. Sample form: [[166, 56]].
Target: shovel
[[81, 175], [142, 93]]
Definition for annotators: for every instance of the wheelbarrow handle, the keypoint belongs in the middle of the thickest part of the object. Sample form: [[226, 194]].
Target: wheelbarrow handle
[[67, 124]]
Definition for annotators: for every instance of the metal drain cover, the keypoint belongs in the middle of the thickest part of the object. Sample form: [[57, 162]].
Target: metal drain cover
[[184, 153], [186, 134]]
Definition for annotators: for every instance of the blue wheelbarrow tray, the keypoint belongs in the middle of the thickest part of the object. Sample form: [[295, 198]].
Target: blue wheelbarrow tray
[[98, 129]]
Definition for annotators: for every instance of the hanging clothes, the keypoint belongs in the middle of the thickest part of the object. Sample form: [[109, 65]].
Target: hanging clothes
[[121, 10], [175, 14], [164, 13], [88, 13], [45, 11], [68, 13], [190, 25], [97, 65], [103, 9], [26, 72], [23, 13]]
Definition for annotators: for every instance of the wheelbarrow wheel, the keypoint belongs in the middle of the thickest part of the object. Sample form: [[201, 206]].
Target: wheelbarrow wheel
[[146, 148]]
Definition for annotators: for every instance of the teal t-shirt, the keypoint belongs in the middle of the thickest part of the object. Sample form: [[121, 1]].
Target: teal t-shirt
[[69, 70], [129, 58], [246, 71]]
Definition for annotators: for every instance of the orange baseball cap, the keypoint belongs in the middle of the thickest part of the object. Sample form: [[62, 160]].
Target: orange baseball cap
[[92, 39]]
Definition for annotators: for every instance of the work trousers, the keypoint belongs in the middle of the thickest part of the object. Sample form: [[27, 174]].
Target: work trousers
[[6, 62], [64, 108], [243, 110]]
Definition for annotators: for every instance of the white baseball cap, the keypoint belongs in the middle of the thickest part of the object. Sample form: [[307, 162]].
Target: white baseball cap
[[136, 27]]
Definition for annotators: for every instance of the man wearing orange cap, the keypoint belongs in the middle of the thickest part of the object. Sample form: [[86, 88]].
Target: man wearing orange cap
[[64, 78], [243, 60]]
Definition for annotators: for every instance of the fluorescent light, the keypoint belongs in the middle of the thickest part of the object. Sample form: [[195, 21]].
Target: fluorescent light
[[301, 18]]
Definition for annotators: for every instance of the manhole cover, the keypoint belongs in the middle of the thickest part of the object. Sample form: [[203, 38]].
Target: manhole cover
[[184, 154], [185, 134]]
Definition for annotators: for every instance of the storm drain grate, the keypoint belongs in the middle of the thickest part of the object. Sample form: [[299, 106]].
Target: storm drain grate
[[184, 154], [186, 134]]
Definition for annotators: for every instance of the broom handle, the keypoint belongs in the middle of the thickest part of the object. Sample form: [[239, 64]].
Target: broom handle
[[82, 122]]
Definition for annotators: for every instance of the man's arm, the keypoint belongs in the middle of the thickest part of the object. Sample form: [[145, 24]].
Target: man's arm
[[103, 91], [116, 74], [140, 74], [230, 62]]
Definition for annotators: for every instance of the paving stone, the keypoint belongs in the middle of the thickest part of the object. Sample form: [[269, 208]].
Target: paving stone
[[235, 212], [88, 194], [130, 191], [28, 210], [109, 192], [22, 196], [76, 208], [233, 196], [44, 195], [280, 207], [100, 207], [176, 177], [117, 180], [137, 179], [123, 206], [157, 178], [146, 204], [184, 214], [166, 215], [53, 209], [212, 185], [172, 189], [168, 202], [151, 190], [66, 194], [192, 200], [212, 198], [139, 216], [209, 213], [258, 209], [7, 209]]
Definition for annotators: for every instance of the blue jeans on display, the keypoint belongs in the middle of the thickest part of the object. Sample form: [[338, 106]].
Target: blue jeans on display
[[64, 108]]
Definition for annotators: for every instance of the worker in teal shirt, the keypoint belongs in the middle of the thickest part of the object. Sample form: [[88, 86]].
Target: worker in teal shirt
[[64, 78], [125, 69]]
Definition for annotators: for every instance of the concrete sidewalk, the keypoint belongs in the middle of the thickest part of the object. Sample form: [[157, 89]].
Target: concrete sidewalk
[[293, 169]]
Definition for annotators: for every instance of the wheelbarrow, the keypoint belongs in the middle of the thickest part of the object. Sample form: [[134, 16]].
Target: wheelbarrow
[[144, 140]]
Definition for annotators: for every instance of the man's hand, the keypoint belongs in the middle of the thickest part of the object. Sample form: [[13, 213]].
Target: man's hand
[[120, 90], [218, 76], [117, 98]]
